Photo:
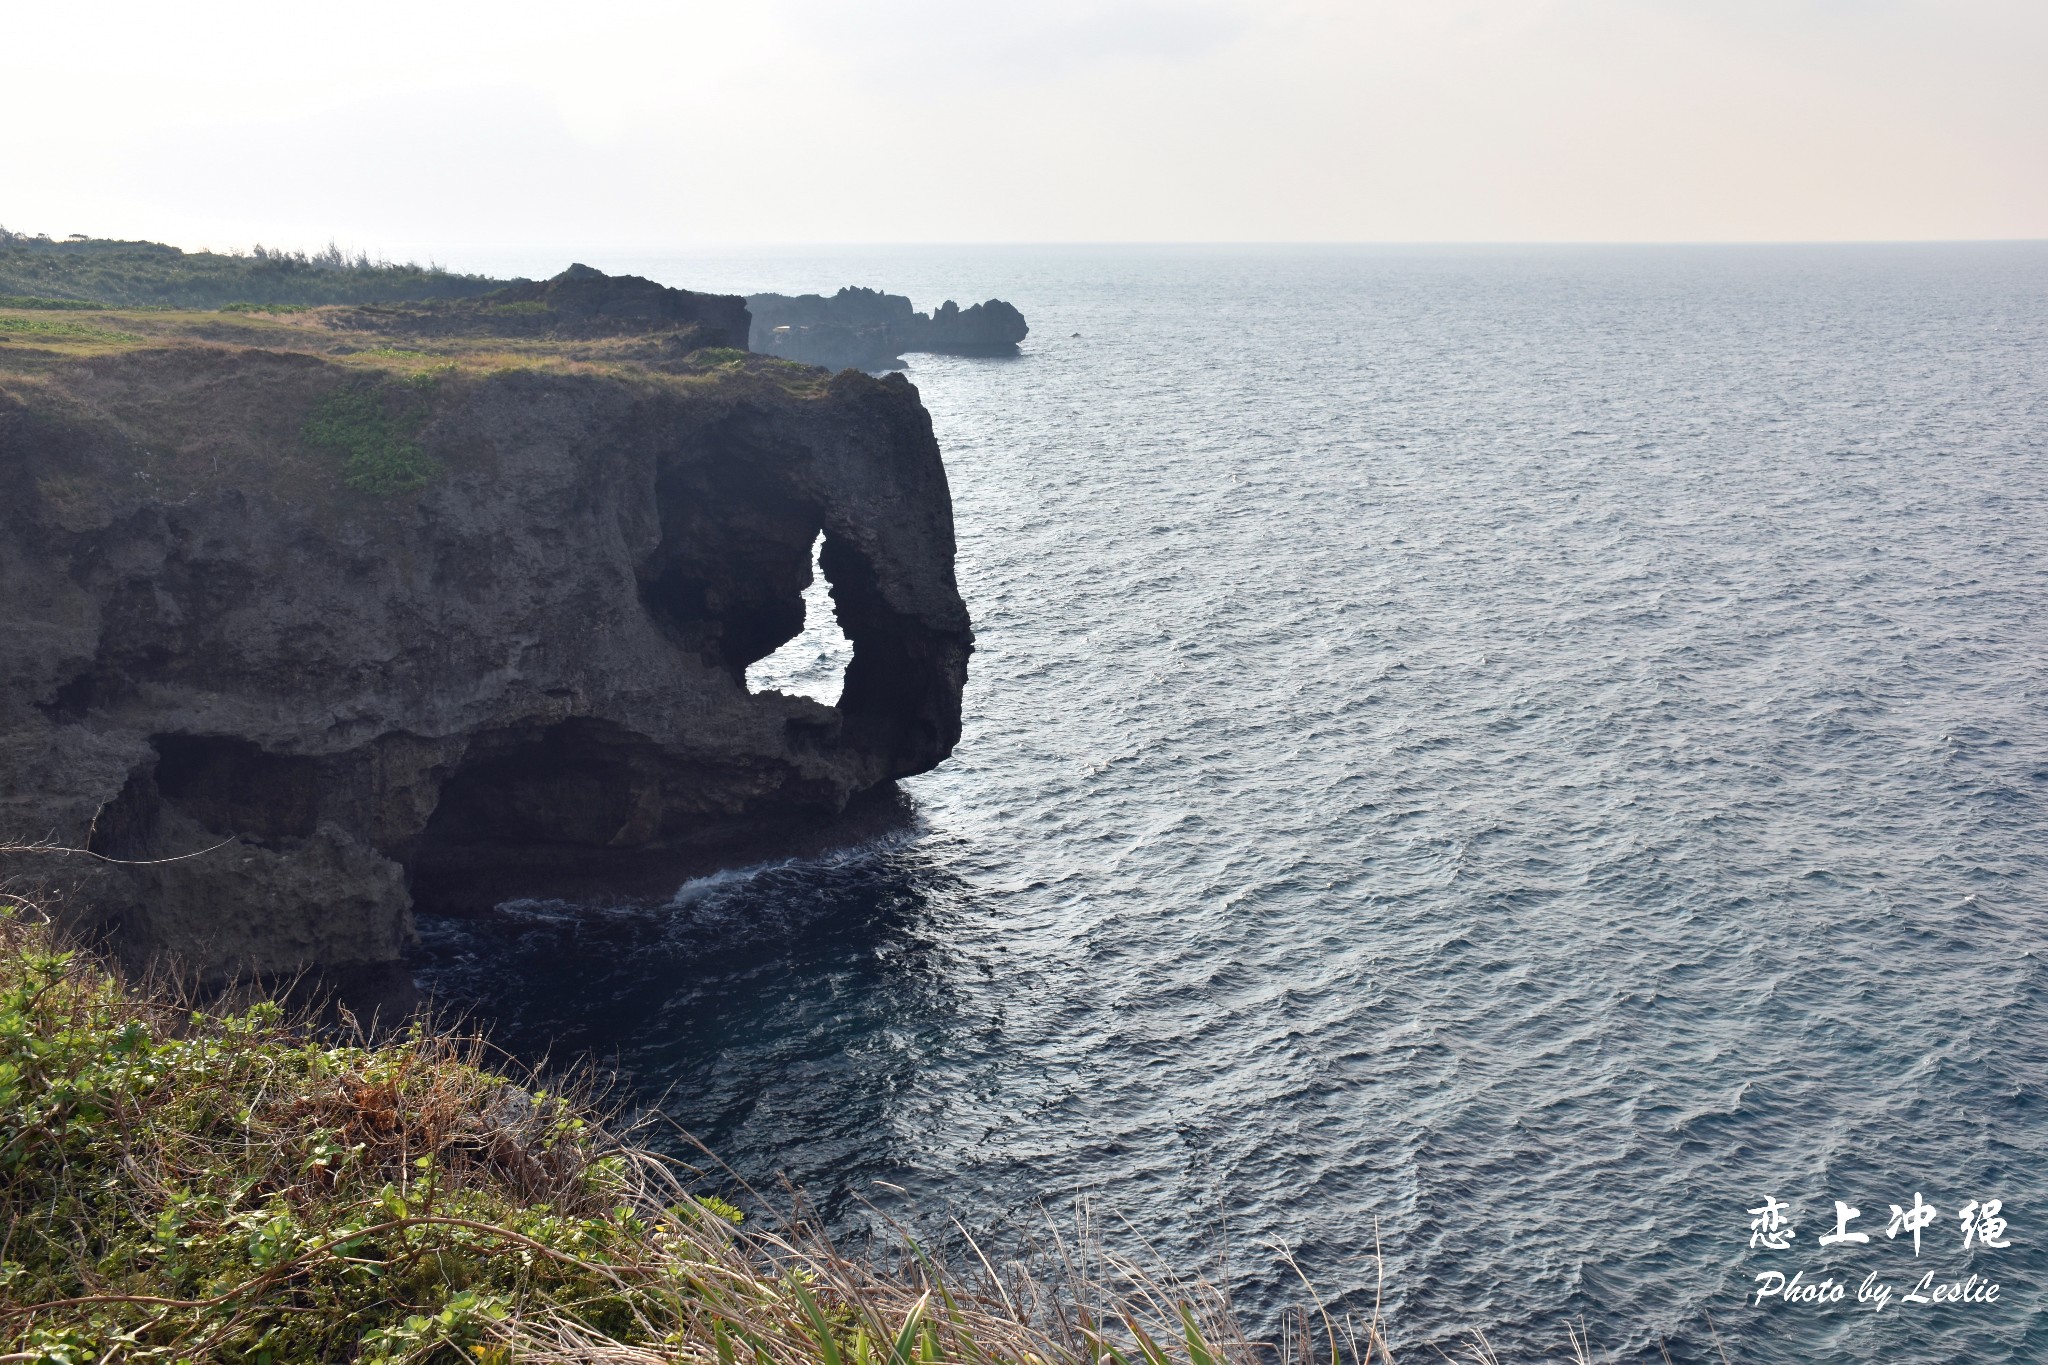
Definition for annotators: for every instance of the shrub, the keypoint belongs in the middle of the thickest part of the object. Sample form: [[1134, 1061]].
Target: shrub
[[377, 430], [221, 1186]]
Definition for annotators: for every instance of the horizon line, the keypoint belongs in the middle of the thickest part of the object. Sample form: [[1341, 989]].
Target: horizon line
[[1148, 243], [905, 243]]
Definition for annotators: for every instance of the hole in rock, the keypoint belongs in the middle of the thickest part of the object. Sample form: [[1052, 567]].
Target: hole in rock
[[577, 782], [813, 664], [72, 701]]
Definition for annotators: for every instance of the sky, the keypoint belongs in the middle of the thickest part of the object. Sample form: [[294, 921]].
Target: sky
[[432, 131]]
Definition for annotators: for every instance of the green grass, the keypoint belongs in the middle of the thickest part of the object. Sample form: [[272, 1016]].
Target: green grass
[[376, 431], [60, 331], [183, 1186], [216, 1185]]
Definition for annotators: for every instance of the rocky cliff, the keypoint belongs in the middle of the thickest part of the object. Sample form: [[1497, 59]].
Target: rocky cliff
[[348, 608], [869, 330]]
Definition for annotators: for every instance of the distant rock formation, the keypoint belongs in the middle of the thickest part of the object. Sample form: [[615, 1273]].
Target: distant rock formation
[[992, 328], [583, 302], [865, 329], [530, 659]]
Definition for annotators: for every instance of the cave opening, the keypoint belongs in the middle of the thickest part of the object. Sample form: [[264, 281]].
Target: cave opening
[[232, 786], [578, 781], [813, 662]]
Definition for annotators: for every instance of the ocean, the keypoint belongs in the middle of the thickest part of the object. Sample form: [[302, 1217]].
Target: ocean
[[1486, 767]]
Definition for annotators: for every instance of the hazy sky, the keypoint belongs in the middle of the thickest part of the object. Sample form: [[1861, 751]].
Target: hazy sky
[[442, 129]]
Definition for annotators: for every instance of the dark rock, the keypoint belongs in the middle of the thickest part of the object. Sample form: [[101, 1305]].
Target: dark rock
[[578, 304], [868, 330], [585, 302], [992, 328], [537, 660]]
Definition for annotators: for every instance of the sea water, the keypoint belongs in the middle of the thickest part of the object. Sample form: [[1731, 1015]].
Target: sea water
[[1483, 766]]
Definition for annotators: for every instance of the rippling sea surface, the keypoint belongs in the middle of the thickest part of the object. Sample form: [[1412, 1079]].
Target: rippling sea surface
[[1509, 755]]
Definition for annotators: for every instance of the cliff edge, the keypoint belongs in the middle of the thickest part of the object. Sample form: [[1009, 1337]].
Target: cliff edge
[[349, 603]]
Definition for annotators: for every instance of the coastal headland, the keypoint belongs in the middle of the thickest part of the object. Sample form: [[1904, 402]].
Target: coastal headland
[[314, 611]]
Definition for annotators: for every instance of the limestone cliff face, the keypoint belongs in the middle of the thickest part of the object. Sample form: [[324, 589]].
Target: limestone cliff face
[[213, 642]]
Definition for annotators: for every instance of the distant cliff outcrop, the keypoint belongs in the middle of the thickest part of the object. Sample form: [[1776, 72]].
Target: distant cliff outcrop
[[865, 329], [580, 304]]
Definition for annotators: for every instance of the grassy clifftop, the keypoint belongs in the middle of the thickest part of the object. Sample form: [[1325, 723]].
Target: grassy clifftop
[[321, 397], [140, 274], [192, 356], [181, 1185]]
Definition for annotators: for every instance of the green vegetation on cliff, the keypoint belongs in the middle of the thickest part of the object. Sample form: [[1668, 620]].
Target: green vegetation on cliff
[[39, 272], [378, 435], [329, 398], [181, 1185]]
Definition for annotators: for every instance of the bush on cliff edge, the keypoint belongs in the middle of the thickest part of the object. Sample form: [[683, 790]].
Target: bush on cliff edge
[[378, 433]]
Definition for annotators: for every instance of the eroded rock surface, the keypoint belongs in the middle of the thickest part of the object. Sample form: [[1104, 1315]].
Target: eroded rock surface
[[214, 642]]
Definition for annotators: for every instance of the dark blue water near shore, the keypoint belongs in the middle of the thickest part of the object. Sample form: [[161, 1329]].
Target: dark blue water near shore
[[1515, 754]]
